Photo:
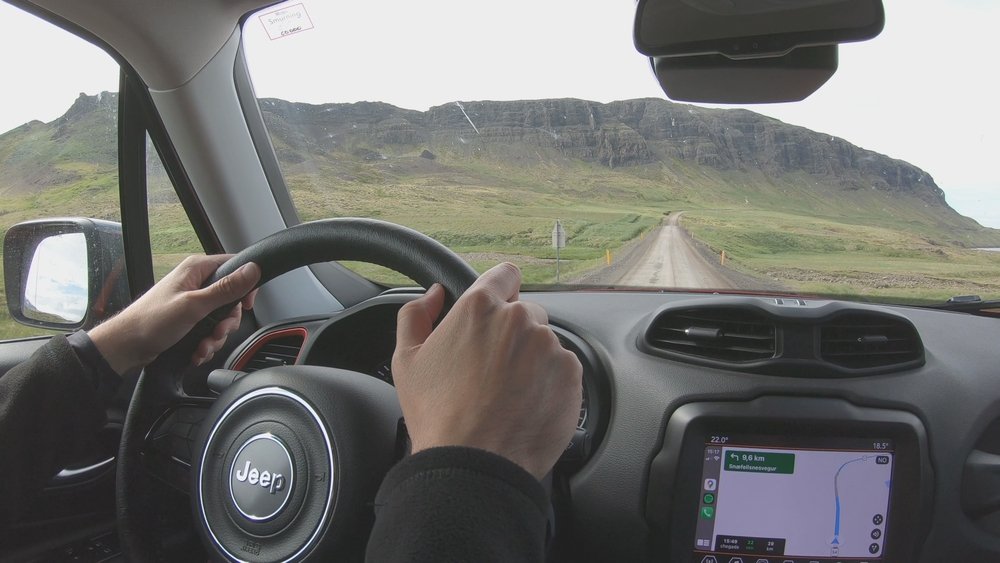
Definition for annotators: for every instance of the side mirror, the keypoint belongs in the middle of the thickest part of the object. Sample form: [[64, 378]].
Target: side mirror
[[64, 274]]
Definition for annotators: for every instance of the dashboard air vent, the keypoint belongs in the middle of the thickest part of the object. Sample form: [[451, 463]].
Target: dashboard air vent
[[866, 340], [723, 334], [279, 348]]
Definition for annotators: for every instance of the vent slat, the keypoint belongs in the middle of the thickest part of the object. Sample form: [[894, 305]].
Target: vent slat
[[873, 353], [282, 348], [738, 335], [728, 334], [721, 347], [865, 340], [864, 325], [856, 341], [282, 351], [725, 342]]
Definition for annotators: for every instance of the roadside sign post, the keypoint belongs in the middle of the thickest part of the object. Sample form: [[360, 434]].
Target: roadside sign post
[[558, 241]]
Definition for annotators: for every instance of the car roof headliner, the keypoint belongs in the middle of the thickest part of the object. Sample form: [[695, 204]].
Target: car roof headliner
[[167, 43]]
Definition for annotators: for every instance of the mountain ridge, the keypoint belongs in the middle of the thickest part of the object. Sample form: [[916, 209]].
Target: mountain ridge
[[620, 133], [650, 149]]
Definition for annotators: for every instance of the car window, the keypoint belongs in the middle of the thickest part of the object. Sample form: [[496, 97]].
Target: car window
[[58, 132], [171, 235], [537, 134]]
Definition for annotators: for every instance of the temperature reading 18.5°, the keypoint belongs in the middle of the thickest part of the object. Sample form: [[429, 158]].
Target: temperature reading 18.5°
[[881, 446]]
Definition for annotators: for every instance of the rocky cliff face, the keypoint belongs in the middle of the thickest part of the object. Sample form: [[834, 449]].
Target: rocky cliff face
[[743, 140], [619, 134], [624, 133]]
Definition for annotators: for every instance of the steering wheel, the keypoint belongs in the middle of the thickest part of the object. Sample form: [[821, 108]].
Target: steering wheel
[[287, 459]]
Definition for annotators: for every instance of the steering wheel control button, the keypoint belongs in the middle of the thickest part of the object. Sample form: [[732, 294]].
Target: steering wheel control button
[[261, 478]]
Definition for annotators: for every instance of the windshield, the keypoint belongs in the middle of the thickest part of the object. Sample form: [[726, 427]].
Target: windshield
[[534, 132]]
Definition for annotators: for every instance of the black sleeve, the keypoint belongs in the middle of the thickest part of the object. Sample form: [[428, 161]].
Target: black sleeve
[[458, 504], [96, 368], [50, 413]]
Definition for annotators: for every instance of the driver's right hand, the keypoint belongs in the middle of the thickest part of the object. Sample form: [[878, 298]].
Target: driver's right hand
[[491, 376]]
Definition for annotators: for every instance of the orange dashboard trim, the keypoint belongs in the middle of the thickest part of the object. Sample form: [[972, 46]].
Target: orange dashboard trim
[[251, 351]]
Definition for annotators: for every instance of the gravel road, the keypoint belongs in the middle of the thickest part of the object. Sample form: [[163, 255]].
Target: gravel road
[[671, 259]]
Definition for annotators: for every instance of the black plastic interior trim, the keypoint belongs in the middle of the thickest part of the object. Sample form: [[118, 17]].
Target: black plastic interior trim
[[797, 352], [178, 175], [132, 189], [980, 493], [595, 379], [349, 288], [59, 546]]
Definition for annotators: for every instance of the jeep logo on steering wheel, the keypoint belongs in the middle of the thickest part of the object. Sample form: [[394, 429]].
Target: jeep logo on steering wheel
[[261, 478], [273, 482]]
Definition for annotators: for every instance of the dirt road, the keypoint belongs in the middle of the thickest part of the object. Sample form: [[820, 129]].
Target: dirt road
[[671, 260]]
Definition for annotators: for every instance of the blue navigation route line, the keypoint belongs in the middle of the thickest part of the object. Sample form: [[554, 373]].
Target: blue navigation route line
[[836, 494]]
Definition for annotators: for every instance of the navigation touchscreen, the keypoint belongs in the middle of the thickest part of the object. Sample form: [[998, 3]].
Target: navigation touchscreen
[[768, 499]]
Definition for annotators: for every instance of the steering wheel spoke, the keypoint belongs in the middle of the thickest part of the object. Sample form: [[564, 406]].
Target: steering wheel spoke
[[169, 449]]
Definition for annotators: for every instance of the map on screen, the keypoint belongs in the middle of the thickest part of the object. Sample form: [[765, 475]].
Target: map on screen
[[807, 502]]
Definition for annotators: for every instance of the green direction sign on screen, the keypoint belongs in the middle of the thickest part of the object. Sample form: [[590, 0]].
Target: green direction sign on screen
[[760, 462]]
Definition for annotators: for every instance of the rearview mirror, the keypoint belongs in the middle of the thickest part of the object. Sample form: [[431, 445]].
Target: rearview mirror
[[749, 51], [64, 274], [751, 28], [718, 79]]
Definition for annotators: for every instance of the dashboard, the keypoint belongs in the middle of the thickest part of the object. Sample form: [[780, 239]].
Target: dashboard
[[363, 340], [744, 429]]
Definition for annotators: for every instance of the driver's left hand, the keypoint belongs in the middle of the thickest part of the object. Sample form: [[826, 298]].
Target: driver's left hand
[[163, 315]]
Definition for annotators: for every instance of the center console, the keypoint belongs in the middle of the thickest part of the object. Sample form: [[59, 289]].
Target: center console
[[776, 480]]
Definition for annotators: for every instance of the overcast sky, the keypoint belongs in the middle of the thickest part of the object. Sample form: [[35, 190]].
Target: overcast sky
[[925, 91]]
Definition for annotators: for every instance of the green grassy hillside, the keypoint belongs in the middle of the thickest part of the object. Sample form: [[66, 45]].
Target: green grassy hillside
[[872, 226], [777, 230]]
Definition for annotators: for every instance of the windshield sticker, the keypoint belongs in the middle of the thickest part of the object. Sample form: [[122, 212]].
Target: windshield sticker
[[286, 21]]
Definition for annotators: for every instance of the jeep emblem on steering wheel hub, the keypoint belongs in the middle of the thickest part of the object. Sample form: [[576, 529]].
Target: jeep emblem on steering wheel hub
[[261, 478]]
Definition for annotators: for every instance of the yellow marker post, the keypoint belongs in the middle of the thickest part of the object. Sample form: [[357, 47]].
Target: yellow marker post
[[722, 259], [607, 256]]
